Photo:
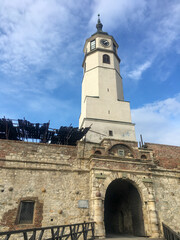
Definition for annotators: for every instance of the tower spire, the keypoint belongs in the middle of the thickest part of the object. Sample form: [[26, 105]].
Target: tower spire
[[99, 24]]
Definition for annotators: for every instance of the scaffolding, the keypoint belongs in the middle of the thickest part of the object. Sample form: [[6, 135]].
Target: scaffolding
[[23, 130]]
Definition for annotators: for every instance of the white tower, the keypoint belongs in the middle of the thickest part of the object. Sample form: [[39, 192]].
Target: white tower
[[102, 103]]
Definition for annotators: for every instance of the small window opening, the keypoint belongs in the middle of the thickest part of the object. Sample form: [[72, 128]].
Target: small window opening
[[107, 89], [110, 133], [143, 156], [114, 47], [106, 59], [98, 152], [108, 111], [26, 212], [92, 44], [121, 152], [84, 67]]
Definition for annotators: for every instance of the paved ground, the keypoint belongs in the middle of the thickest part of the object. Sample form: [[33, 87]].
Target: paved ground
[[127, 237], [124, 237]]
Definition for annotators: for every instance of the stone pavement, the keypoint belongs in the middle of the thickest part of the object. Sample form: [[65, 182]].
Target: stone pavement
[[128, 237]]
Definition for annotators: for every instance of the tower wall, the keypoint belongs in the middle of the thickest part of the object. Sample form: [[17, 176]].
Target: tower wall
[[102, 105]]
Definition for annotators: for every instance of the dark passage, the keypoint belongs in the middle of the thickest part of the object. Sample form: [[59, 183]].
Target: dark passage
[[123, 209]]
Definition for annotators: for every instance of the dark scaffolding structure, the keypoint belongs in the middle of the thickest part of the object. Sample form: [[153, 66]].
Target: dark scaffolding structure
[[23, 130]]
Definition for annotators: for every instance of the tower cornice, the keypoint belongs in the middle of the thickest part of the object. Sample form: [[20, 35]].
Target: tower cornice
[[95, 35], [114, 69]]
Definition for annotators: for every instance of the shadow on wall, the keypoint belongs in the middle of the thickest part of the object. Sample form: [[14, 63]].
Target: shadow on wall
[[123, 209]]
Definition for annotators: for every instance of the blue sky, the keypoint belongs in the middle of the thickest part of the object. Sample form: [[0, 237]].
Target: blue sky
[[41, 53]]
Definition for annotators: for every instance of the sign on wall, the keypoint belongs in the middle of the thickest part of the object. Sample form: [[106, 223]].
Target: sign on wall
[[83, 204]]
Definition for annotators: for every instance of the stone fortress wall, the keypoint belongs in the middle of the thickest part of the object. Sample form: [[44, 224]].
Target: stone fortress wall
[[60, 179], [48, 174]]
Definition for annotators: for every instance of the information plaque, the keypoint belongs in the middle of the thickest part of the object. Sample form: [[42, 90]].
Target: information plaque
[[83, 204]]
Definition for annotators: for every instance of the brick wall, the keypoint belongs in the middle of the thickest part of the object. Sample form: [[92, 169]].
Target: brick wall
[[167, 156]]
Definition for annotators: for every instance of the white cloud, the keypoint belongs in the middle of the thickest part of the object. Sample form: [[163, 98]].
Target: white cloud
[[30, 33], [117, 12], [33, 33], [137, 73], [38, 40], [41, 108], [168, 27], [159, 122], [154, 28], [161, 36]]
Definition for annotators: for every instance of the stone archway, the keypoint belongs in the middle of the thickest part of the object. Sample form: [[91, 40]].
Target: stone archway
[[147, 199], [123, 209]]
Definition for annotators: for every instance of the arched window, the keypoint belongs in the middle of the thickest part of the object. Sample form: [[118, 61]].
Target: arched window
[[114, 47], [98, 152], [106, 59], [143, 156]]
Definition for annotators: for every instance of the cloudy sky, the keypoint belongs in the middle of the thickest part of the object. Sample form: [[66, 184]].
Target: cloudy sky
[[41, 43]]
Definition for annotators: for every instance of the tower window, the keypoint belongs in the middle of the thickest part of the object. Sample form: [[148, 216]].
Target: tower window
[[98, 152], [143, 156], [106, 59], [26, 212], [84, 67], [110, 133], [114, 47], [93, 44], [121, 152]]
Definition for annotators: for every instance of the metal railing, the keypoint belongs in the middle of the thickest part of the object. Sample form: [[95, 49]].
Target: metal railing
[[169, 234], [73, 231]]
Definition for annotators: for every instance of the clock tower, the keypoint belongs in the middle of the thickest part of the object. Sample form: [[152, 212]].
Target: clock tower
[[102, 103]]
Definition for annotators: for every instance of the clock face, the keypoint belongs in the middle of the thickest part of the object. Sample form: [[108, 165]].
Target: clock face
[[105, 42]]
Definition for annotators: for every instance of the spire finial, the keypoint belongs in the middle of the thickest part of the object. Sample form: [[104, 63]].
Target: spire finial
[[99, 24]]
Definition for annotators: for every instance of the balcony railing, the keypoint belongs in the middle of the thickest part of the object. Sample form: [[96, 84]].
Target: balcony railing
[[169, 234], [64, 232]]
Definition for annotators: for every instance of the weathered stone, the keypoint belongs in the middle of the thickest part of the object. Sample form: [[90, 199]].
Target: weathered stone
[[56, 177]]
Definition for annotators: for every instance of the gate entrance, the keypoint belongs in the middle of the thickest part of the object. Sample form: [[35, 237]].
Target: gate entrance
[[123, 209]]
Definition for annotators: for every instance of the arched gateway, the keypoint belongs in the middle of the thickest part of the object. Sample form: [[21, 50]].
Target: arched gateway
[[123, 209], [124, 204]]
